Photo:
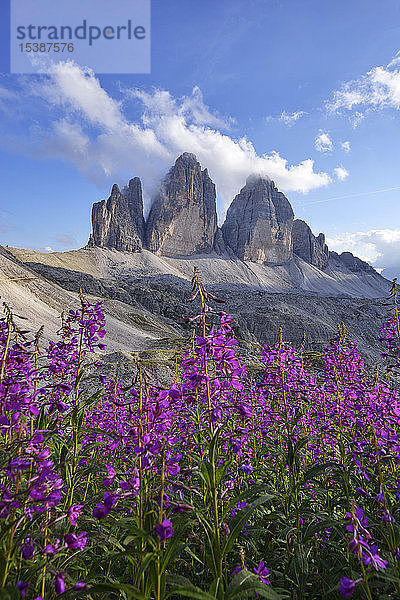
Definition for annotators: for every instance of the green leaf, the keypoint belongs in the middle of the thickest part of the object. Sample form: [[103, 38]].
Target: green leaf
[[147, 560], [181, 585], [316, 470], [239, 522], [206, 473], [245, 582], [248, 494], [130, 591], [174, 548]]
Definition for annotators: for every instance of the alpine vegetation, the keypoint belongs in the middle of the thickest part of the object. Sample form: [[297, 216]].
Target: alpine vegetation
[[231, 482]]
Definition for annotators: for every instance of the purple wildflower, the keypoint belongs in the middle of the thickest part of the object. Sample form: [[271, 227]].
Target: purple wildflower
[[164, 530], [347, 587], [74, 512], [28, 548], [76, 542], [59, 584], [262, 571], [23, 587]]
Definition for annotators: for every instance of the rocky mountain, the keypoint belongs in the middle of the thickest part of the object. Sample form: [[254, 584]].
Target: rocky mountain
[[118, 222], [183, 216], [351, 262], [271, 270], [258, 225], [144, 296], [310, 248]]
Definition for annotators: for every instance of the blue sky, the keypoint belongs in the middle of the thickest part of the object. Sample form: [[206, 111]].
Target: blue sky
[[253, 85]]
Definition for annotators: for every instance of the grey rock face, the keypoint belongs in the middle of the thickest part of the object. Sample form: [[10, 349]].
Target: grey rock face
[[183, 217], [353, 263], [119, 223], [310, 248], [258, 225]]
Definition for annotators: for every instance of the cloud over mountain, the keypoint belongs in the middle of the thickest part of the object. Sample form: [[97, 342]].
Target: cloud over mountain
[[89, 128], [380, 247]]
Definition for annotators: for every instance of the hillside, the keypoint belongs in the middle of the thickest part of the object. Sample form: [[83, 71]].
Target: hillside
[[269, 267]]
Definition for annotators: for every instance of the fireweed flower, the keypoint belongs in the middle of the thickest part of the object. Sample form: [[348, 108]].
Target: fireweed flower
[[216, 414], [262, 571], [103, 509], [238, 569], [371, 557], [247, 468], [164, 530], [358, 545], [245, 411], [28, 548], [76, 541], [111, 474], [79, 586], [340, 401], [347, 587], [59, 584], [74, 512], [52, 549], [23, 587], [358, 522]]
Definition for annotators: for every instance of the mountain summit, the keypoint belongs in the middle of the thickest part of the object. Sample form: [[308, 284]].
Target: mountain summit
[[183, 216], [259, 225], [119, 223]]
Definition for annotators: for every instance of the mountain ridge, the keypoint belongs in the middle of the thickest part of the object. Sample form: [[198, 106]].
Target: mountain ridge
[[269, 267], [259, 226]]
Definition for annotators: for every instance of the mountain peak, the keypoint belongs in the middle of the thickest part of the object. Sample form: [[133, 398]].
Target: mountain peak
[[255, 179], [258, 225], [183, 216], [308, 247], [119, 223], [187, 157]]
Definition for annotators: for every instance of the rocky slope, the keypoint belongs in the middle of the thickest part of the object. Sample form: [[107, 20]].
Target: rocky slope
[[41, 301], [262, 298], [271, 269]]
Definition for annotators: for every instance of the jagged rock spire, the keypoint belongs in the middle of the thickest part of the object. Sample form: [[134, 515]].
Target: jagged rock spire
[[310, 248], [183, 217], [258, 225], [119, 223]]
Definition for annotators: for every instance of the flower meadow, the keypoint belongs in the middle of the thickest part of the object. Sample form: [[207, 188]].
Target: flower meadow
[[227, 483]]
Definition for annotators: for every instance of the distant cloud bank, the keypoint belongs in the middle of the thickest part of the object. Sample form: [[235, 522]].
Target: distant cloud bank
[[380, 247]]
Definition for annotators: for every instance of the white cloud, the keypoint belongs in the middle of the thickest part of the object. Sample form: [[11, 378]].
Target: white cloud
[[89, 128], [290, 119], [379, 88], [341, 173], [346, 146], [323, 142], [380, 247], [45, 250]]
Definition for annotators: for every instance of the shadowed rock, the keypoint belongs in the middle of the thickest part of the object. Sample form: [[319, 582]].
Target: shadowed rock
[[119, 223], [258, 225], [183, 217], [310, 248], [352, 263]]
